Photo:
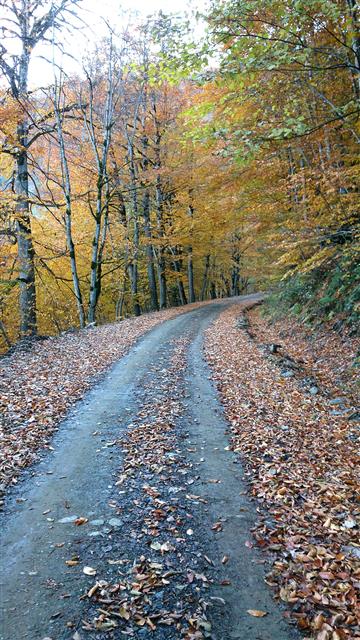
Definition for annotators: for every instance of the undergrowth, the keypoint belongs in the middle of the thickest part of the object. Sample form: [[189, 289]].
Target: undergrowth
[[322, 295]]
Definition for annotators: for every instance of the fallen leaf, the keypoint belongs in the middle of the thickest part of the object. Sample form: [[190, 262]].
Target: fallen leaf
[[124, 613], [93, 590], [256, 613]]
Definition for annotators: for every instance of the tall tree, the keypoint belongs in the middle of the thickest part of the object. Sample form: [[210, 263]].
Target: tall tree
[[59, 105], [28, 22], [99, 123]]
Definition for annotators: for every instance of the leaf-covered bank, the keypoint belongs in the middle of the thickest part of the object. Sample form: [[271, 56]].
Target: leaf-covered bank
[[326, 357], [302, 467]]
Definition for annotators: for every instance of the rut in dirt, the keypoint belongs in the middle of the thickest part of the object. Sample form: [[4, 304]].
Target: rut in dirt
[[141, 489]]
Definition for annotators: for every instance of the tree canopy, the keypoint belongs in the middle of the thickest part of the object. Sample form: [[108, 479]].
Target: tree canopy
[[169, 171]]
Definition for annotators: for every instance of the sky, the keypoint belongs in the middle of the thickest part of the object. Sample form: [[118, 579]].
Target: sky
[[94, 12]]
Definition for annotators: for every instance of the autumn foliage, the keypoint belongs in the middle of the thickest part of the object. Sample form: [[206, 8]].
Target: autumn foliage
[[155, 179]]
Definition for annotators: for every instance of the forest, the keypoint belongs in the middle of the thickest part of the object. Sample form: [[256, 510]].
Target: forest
[[179, 320], [172, 168]]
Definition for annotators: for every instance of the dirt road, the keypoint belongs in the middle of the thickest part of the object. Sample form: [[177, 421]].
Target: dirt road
[[100, 503]]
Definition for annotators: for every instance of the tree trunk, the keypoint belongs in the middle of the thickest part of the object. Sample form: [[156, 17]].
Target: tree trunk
[[235, 281], [93, 294], [103, 234], [190, 271], [154, 304], [134, 274], [121, 300], [98, 246], [180, 285], [190, 266], [162, 280], [235, 273], [161, 256], [26, 252], [74, 272], [159, 199], [101, 153], [133, 266], [66, 185], [160, 223], [205, 277]]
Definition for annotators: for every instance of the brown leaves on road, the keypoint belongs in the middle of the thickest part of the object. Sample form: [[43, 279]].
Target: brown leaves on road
[[40, 383], [159, 589], [302, 466]]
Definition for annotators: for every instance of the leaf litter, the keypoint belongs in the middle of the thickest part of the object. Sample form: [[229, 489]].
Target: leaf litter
[[40, 381], [163, 588], [302, 466], [308, 521]]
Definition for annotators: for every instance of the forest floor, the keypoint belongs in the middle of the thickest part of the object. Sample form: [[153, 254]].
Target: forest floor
[[156, 512], [40, 380]]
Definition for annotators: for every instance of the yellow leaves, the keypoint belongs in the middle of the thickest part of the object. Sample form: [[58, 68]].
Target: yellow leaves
[[10, 113]]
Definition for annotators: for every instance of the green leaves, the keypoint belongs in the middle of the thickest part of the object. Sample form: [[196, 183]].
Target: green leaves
[[296, 128]]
